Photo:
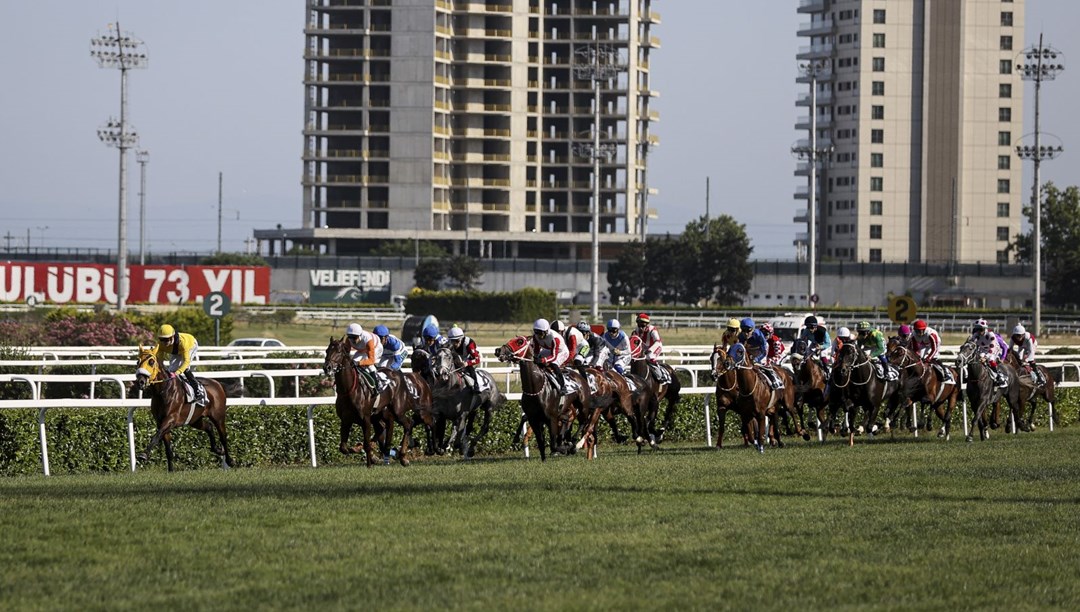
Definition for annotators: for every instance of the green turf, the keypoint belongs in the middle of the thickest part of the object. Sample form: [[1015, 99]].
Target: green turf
[[910, 524]]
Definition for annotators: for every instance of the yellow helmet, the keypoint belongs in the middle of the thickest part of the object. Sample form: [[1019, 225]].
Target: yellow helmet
[[166, 331], [734, 324]]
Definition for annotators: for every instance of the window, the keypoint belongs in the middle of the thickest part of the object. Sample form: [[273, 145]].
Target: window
[[1006, 43], [875, 255], [1002, 233], [879, 64], [879, 15], [1005, 114], [1003, 186], [875, 207], [877, 160], [1006, 18], [1005, 139], [1003, 256], [879, 41], [1004, 162], [877, 112], [1005, 90], [877, 88], [878, 184], [877, 136], [875, 232], [1005, 67], [1003, 209]]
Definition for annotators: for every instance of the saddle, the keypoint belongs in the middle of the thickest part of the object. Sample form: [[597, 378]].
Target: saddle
[[659, 373], [942, 372], [571, 385], [887, 373], [472, 384], [775, 382]]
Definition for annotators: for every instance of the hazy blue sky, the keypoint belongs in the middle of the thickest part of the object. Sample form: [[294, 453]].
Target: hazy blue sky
[[223, 93]]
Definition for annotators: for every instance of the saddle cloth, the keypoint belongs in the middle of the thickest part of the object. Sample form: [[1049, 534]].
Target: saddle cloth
[[484, 386], [571, 385], [189, 391], [890, 372]]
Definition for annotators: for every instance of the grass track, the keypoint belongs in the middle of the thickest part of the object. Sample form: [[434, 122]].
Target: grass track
[[892, 525]]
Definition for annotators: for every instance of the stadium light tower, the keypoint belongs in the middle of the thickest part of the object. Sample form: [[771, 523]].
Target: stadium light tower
[[596, 64], [143, 157], [814, 70], [1038, 64], [123, 51]]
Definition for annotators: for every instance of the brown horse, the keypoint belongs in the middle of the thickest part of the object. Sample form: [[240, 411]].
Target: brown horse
[[170, 408], [358, 403], [854, 379], [669, 390], [612, 394], [1030, 391], [925, 383], [811, 381], [540, 399], [757, 396], [413, 406], [727, 395]]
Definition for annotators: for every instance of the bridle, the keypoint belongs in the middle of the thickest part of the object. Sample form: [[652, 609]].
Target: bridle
[[842, 364]]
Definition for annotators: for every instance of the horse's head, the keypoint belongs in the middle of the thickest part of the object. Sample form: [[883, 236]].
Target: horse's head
[[966, 354], [896, 351], [845, 359], [147, 369], [337, 356], [515, 349], [420, 360], [442, 364], [721, 361]]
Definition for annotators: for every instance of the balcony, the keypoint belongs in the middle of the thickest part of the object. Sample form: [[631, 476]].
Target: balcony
[[817, 27], [818, 51], [802, 215], [811, 6]]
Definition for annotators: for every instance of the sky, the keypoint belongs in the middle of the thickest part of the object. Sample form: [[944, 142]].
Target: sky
[[223, 93]]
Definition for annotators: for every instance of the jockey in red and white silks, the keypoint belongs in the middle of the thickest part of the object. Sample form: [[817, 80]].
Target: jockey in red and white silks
[[651, 345], [925, 342]]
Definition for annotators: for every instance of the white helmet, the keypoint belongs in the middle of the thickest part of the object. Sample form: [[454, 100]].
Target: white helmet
[[613, 324], [843, 332], [558, 326], [353, 329], [455, 333], [1019, 330], [541, 325]]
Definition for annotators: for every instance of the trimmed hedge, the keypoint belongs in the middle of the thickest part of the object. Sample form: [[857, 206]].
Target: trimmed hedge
[[515, 307], [95, 440]]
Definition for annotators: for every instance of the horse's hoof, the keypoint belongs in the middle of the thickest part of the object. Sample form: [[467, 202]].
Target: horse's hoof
[[229, 461], [761, 449], [806, 436], [994, 424], [141, 457], [403, 461], [639, 440], [970, 438]]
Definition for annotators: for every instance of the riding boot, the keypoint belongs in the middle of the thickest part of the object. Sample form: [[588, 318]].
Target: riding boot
[[200, 393], [559, 377]]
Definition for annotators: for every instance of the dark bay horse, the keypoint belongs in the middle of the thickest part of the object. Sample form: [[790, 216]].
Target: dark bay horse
[[725, 371], [360, 404], [612, 394], [854, 378], [810, 387], [170, 408], [920, 382], [757, 397], [456, 403], [640, 367], [541, 402], [984, 392], [1030, 391]]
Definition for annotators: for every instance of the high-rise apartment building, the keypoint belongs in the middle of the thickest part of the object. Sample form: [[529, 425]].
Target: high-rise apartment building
[[920, 106], [465, 121]]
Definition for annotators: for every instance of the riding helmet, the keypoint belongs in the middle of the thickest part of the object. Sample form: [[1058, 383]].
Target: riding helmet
[[166, 331], [905, 330], [353, 329], [863, 326], [979, 326], [557, 326], [733, 324], [584, 327], [430, 332], [843, 332], [1019, 330], [613, 325], [810, 321], [747, 324], [541, 325], [643, 319], [455, 333], [766, 329], [920, 325], [381, 331]]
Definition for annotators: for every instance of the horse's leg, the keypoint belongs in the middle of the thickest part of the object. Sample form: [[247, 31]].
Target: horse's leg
[[366, 425], [761, 437], [346, 429], [219, 424], [169, 456], [484, 425], [164, 426], [406, 434]]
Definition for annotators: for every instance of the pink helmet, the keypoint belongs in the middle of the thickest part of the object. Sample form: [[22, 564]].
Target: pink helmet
[[905, 330], [766, 329]]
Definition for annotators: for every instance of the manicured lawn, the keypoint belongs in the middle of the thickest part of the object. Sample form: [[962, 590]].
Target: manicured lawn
[[887, 524]]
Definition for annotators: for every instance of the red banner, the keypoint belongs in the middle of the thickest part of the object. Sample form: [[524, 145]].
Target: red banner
[[62, 283]]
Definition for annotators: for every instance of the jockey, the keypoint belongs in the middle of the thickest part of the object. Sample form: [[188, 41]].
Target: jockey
[[651, 345], [843, 336], [758, 348], [730, 335], [814, 336], [464, 348], [366, 349], [592, 342], [549, 351], [903, 335], [433, 340], [776, 346], [619, 345], [925, 343], [176, 352], [1024, 345], [575, 341], [872, 342], [394, 350], [989, 345]]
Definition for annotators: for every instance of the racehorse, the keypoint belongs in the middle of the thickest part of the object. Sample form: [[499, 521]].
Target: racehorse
[[758, 396], [358, 402], [455, 401], [170, 408], [983, 391], [1030, 392], [417, 404], [612, 394], [854, 379], [920, 382], [540, 398], [640, 367], [727, 395], [811, 381]]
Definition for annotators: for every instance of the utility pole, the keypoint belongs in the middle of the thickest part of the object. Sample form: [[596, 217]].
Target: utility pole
[[123, 51], [143, 157], [1038, 64], [7, 239], [219, 183], [596, 64], [814, 70]]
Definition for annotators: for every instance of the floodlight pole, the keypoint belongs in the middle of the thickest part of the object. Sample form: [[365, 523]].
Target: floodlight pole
[[1038, 64], [120, 50], [143, 157], [813, 70]]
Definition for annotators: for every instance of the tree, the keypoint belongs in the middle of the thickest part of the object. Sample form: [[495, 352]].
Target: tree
[[1060, 237], [464, 271], [429, 274], [233, 259], [408, 248], [715, 260], [626, 275]]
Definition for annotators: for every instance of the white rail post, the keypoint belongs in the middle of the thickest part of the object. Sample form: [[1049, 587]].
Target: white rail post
[[708, 423], [311, 433]]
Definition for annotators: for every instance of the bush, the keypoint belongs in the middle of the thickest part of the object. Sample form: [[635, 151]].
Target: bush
[[524, 305]]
